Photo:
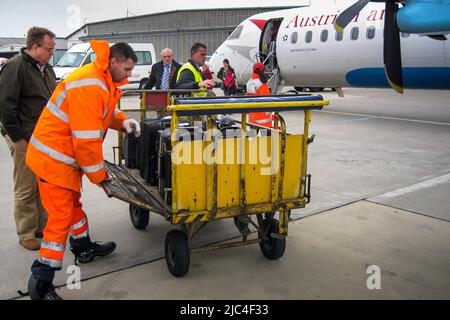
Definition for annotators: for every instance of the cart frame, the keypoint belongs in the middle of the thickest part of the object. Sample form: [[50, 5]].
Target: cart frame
[[271, 232]]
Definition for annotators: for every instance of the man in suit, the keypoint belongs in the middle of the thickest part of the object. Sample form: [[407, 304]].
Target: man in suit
[[164, 73]]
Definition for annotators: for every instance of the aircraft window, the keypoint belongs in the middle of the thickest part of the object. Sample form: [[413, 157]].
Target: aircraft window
[[354, 34], [308, 36], [236, 33], [370, 32], [339, 35], [294, 37], [405, 35], [324, 36]]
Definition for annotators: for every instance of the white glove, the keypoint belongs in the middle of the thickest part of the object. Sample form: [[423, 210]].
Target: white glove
[[130, 125]]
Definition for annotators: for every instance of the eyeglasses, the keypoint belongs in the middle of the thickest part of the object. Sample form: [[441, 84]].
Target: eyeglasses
[[49, 50]]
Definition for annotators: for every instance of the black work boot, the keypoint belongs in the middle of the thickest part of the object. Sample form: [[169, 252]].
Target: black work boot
[[85, 254], [41, 290]]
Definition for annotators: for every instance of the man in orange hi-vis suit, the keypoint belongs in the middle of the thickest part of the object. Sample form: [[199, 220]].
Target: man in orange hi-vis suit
[[258, 86], [67, 144]]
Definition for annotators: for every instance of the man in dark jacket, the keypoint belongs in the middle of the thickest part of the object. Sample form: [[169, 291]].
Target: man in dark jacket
[[163, 75], [26, 84], [190, 76]]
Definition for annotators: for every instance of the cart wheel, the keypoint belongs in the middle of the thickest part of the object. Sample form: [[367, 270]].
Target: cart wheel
[[139, 217], [272, 248], [177, 253], [36, 288]]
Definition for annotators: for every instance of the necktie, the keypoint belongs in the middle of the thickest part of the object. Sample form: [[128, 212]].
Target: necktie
[[165, 78]]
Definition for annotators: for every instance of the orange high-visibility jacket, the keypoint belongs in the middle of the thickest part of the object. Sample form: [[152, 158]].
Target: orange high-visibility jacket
[[67, 140], [256, 87]]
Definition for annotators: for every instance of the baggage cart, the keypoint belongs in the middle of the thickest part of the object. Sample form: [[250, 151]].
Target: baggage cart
[[255, 177]]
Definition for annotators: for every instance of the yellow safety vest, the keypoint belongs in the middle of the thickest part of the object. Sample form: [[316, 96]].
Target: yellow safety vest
[[197, 77]]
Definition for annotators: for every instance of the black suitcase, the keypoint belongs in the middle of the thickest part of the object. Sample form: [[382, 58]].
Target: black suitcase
[[146, 154], [130, 143], [147, 151], [228, 127], [164, 172]]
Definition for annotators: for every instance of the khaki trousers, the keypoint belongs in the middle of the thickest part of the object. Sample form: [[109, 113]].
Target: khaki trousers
[[29, 213]]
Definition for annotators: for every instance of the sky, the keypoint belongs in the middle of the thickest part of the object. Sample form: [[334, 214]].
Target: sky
[[65, 16]]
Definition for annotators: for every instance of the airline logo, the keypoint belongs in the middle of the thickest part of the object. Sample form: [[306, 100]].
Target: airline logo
[[259, 23], [324, 19]]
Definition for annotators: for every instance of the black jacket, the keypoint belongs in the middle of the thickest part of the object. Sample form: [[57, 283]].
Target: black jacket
[[24, 92], [157, 73], [187, 79]]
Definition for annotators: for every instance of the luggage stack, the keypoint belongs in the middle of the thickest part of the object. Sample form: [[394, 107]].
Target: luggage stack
[[147, 155], [151, 152]]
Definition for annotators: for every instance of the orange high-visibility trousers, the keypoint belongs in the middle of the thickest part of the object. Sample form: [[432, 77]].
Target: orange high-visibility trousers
[[65, 214]]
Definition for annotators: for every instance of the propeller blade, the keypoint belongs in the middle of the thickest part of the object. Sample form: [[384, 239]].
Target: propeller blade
[[349, 14], [392, 49]]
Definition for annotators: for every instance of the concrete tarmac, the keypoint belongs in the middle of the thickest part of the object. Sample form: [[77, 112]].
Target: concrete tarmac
[[380, 197]]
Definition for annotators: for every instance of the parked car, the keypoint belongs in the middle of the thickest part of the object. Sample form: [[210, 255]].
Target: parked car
[[82, 53], [56, 56]]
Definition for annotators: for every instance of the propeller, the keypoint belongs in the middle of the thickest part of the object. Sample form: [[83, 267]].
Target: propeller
[[392, 50], [349, 14]]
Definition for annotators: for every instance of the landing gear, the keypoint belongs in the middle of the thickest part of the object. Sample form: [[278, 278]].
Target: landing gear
[[315, 89]]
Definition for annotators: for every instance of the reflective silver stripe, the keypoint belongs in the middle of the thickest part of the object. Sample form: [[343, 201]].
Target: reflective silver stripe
[[253, 85], [56, 108], [106, 111], [264, 121], [116, 112], [80, 236], [79, 224], [50, 262], [61, 98], [57, 112], [53, 246], [85, 83], [53, 153], [85, 134], [92, 169]]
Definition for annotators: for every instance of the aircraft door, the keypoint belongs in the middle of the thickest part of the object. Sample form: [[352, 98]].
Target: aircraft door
[[268, 44]]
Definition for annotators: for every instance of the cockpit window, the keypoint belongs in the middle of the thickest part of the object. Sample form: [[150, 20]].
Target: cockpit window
[[236, 33]]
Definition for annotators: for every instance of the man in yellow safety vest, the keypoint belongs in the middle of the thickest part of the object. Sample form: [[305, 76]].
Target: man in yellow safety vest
[[190, 75]]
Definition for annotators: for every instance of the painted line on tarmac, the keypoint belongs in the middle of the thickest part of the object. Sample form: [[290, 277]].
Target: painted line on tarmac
[[353, 120], [417, 187], [387, 118]]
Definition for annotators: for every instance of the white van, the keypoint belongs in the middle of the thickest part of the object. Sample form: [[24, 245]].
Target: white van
[[80, 54]]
